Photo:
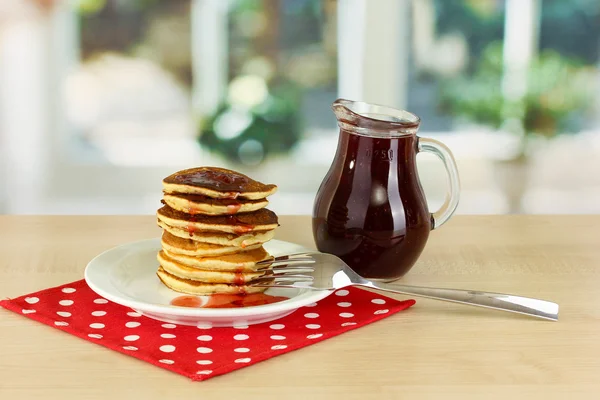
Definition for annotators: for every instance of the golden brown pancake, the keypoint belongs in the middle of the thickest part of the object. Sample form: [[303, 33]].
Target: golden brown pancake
[[177, 245], [224, 239], [261, 220], [198, 204], [238, 262], [219, 183], [200, 288], [181, 270], [215, 223]]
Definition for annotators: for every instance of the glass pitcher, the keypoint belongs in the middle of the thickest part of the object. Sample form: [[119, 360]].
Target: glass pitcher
[[370, 209]]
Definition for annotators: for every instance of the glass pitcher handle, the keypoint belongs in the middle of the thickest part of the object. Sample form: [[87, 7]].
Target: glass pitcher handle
[[439, 149]]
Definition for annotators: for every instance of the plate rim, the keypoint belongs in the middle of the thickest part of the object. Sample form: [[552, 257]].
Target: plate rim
[[286, 305]]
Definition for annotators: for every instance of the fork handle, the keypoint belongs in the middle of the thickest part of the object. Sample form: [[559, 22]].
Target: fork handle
[[498, 301]]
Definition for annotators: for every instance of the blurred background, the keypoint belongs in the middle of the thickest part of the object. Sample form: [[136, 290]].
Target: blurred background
[[101, 99]]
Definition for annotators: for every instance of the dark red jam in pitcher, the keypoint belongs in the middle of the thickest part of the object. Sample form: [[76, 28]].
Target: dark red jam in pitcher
[[370, 209]]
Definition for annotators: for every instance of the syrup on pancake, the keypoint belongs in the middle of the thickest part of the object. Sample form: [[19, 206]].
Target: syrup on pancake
[[214, 223]]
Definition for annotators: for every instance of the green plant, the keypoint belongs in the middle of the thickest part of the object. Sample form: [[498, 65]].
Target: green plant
[[558, 92], [255, 120]]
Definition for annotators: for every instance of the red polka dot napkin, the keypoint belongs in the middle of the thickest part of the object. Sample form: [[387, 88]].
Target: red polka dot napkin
[[199, 353]]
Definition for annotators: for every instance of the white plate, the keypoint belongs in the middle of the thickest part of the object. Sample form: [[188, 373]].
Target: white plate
[[126, 275]]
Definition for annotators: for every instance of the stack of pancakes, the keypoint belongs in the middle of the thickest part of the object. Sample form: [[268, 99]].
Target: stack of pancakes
[[214, 224]]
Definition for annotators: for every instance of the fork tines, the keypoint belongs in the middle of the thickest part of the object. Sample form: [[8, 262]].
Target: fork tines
[[286, 271], [292, 259], [281, 281], [298, 257], [284, 275]]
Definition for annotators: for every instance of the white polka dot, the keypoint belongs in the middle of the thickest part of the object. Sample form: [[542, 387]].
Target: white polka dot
[[342, 293], [241, 337], [314, 336], [65, 302], [64, 314], [346, 315], [378, 301], [169, 326], [134, 314], [384, 311], [204, 350], [205, 338], [131, 338], [311, 305], [344, 304], [167, 336], [204, 362], [95, 336], [167, 348], [25, 311], [204, 325], [278, 337], [165, 361], [96, 325], [132, 324], [313, 326], [311, 315], [241, 350], [277, 326], [68, 290], [98, 313], [132, 348], [31, 300], [243, 360], [204, 372], [102, 301], [279, 347], [348, 323], [61, 323], [240, 326]]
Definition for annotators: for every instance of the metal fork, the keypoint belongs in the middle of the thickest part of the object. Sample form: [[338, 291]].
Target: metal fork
[[321, 271]]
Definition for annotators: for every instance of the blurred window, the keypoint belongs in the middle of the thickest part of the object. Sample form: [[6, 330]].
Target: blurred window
[[458, 45], [143, 64], [102, 98], [448, 39]]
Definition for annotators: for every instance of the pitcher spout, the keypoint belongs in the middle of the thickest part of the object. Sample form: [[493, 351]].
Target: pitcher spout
[[374, 119]]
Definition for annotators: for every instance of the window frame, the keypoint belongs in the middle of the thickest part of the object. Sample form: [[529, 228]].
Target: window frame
[[365, 72]]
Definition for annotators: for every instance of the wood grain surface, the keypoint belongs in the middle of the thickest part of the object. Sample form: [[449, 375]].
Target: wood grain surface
[[434, 350]]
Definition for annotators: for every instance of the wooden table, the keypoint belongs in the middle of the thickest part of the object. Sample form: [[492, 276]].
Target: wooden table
[[434, 350]]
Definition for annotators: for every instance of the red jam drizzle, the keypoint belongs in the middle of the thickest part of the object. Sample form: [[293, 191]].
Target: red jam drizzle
[[187, 301], [231, 195], [241, 227], [241, 300], [191, 229], [244, 228], [227, 300], [239, 279], [233, 208], [192, 209]]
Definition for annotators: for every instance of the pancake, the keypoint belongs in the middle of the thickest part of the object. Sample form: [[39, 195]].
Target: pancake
[[198, 204], [181, 270], [238, 262], [177, 245], [218, 183], [224, 239], [198, 288], [261, 220]]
